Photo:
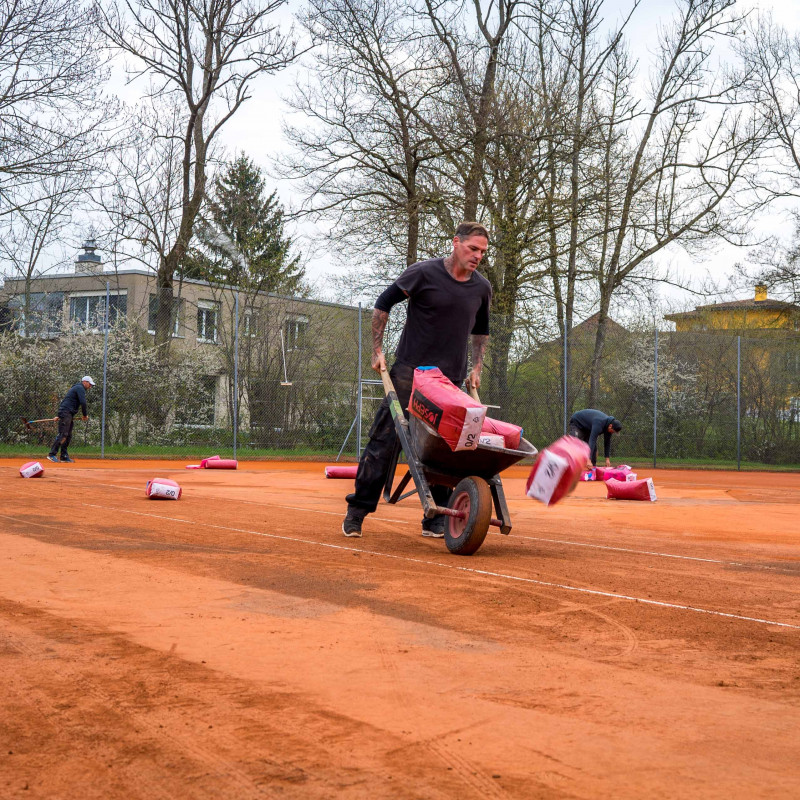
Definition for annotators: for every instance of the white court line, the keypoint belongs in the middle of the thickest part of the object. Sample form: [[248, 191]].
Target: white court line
[[515, 536], [501, 575]]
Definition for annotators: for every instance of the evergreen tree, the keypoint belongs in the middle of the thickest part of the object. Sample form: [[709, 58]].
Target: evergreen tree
[[242, 242]]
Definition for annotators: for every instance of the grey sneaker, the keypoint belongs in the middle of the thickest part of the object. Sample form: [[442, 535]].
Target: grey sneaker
[[434, 528], [67, 460], [351, 527]]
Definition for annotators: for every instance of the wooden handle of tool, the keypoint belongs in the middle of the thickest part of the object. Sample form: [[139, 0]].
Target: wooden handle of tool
[[388, 386], [473, 393]]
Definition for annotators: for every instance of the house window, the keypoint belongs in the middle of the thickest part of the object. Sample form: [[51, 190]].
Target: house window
[[152, 315], [207, 317], [87, 311], [44, 317], [249, 324], [295, 332]]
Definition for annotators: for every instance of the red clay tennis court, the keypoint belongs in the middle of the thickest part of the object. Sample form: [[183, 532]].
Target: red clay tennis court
[[235, 645]]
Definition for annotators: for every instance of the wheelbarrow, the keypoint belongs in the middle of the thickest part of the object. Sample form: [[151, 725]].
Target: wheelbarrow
[[473, 475]]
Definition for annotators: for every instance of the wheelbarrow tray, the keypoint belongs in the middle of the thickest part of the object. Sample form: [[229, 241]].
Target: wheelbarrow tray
[[485, 461]]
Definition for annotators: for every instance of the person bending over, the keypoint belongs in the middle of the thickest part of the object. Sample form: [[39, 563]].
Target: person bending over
[[589, 424], [74, 399], [448, 302]]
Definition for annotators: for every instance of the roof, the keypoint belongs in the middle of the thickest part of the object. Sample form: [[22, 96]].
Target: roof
[[735, 305], [589, 325], [10, 284]]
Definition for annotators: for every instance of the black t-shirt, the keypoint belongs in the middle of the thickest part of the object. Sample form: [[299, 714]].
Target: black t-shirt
[[442, 313]]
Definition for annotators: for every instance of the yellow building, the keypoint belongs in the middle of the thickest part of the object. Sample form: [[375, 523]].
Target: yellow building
[[759, 313]]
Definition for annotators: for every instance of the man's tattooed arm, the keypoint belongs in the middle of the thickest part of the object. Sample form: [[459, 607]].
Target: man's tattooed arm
[[379, 320]]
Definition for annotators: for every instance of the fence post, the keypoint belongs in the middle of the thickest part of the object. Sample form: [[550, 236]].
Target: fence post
[[105, 374], [655, 398], [738, 402], [235, 373], [565, 376], [358, 393]]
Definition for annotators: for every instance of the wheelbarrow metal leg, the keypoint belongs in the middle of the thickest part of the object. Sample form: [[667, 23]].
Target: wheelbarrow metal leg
[[500, 507], [398, 495]]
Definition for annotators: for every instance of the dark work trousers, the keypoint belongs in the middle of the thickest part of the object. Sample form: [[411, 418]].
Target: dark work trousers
[[579, 433], [377, 455], [575, 431], [64, 437]]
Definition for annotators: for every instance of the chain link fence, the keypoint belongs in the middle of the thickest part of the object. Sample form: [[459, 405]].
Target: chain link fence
[[247, 377]]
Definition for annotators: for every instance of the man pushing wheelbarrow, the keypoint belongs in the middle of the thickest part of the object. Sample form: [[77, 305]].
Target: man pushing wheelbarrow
[[448, 304]]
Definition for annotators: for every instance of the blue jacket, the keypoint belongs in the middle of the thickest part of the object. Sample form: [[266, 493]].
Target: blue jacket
[[74, 399], [590, 424]]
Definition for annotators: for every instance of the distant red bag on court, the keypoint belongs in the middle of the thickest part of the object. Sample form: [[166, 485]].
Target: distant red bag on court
[[643, 489], [557, 470], [511, 433], [341, 471], [453, 414], [215, 462]]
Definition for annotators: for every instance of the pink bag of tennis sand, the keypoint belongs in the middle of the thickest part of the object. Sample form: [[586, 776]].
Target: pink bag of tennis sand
[[511, 433], [557, 470], [615, 474], [219, 463], [341, 471], [33, 469], [643, 489], [162, 489], [453, 414]]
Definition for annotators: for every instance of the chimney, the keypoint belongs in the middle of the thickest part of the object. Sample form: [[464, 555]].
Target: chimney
[[88, 262], [761, 292]]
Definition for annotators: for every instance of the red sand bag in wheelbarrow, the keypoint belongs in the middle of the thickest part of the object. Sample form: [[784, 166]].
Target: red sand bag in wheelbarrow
[[631, 490], [219, 463], [453, 414], [341, 471], [557, 470], [163, 489], [511, 433], [33, 469]]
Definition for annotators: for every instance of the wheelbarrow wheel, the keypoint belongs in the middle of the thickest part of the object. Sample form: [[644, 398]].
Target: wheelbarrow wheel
[[473, 498]]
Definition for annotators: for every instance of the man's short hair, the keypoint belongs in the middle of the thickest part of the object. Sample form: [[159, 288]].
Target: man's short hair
[[616, 425], [467, 229]]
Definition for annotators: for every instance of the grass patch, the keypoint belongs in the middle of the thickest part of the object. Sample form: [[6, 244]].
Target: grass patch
[[176, 453]]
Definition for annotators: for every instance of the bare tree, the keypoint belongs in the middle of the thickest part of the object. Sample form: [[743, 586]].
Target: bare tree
[[52, 113], [43, 217], [771, 67], [361, 155], [675, 168], [203, 55], [474, 58]]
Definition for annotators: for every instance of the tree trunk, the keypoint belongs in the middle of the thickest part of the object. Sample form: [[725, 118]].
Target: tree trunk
[[599, 347]]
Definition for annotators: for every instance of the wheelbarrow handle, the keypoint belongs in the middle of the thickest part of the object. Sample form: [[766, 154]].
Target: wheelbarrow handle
[[388, 386]]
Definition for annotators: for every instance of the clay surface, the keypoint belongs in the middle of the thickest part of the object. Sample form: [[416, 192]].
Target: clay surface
[[236, 645]]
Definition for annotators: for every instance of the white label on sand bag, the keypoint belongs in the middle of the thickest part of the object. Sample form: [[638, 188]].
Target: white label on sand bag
[[471, 430], [163, 490], [652, 489], [492, 440], [30, 471], [548, 474], [630, 476]]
